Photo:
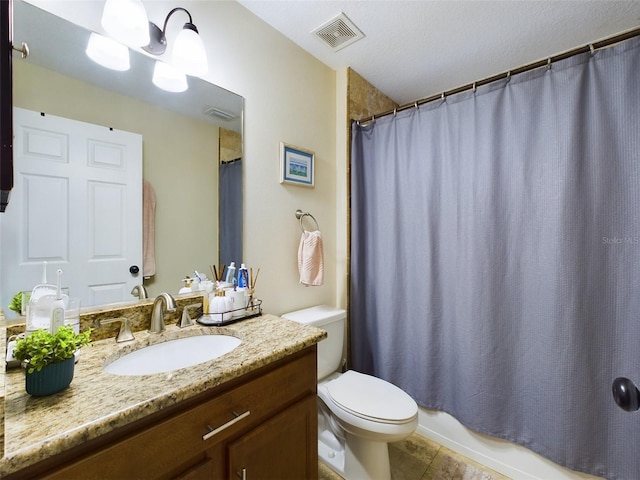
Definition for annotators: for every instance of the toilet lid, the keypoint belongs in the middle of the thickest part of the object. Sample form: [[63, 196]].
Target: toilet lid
[[371, 397]]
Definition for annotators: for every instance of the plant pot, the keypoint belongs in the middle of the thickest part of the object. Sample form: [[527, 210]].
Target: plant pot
[[51, 379]]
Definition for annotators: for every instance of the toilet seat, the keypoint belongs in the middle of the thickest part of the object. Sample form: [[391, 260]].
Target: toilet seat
[[371, 398]]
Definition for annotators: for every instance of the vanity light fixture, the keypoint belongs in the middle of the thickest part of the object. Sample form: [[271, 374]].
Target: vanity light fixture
[[169, 78], [188, 54], [126, 21], [108, 53]]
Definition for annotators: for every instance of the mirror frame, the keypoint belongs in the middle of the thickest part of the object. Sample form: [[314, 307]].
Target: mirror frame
[[6, 104]]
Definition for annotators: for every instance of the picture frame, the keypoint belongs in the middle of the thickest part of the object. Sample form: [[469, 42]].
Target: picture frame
[[297, 166]]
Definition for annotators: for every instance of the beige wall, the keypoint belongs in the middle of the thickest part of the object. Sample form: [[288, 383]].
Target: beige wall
[[289, 96], [180, 160]]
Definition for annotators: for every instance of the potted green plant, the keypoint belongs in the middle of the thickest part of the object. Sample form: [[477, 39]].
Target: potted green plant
[[18, 302], [48, 358]]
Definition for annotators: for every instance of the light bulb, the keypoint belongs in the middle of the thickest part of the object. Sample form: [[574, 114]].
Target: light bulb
[[126, 21], [188, 54], [168, 78], [107, 52]]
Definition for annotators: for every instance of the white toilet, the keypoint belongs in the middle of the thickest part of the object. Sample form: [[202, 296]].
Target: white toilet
[[357, 414]]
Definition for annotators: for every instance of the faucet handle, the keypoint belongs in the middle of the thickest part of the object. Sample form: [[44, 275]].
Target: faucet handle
[[125, 334], [186, 320], [139, 291]]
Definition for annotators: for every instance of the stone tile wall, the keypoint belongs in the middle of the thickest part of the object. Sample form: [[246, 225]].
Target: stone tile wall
[[364, 99]]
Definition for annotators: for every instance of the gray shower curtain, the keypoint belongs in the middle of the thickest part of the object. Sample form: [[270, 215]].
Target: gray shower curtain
[[495, 257], [230, 195]]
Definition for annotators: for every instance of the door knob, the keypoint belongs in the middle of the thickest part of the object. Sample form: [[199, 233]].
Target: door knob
[[133, 269], [626, 394]]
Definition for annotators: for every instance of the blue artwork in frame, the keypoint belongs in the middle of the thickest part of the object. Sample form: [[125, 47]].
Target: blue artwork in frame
[[296, 165]]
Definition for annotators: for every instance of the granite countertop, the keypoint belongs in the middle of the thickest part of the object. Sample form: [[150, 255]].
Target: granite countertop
[[96, 402]]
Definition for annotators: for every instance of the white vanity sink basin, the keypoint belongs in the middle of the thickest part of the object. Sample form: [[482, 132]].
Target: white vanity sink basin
[[173, 355]]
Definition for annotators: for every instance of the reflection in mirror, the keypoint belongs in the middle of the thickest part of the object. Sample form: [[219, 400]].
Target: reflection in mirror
[[187, 140], [230, 204]]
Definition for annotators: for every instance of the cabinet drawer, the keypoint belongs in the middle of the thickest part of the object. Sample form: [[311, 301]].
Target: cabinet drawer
[[174, 445]]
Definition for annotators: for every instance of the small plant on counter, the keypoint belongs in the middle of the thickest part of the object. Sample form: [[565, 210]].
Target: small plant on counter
[[16, 302], [43, 348]]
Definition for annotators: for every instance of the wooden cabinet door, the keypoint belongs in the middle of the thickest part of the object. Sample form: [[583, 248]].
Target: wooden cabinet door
[[284, 447], [203, 470]]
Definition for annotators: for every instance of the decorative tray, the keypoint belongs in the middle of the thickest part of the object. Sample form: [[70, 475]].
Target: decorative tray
[[232, 316]]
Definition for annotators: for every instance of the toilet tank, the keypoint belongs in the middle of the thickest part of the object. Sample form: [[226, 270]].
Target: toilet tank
[[332, 320]]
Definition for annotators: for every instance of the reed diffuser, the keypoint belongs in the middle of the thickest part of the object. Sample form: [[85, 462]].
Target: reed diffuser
[[252, 286]]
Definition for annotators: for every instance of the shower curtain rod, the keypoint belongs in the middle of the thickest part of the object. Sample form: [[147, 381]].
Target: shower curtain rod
[[591, 47], [224, 162]]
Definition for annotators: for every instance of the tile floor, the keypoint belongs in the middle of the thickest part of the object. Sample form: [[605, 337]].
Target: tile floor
[[418, 458]]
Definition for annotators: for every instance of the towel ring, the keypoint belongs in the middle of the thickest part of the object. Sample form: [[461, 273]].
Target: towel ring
[[300, 215]]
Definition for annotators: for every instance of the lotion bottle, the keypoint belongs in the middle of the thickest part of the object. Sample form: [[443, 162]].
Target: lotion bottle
[[243, 277]]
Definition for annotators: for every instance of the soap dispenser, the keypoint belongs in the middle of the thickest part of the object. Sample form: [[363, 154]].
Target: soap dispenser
[[220, 306], [186, 288]]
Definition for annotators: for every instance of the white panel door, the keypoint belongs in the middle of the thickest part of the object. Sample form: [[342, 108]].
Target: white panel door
[[77, 205]]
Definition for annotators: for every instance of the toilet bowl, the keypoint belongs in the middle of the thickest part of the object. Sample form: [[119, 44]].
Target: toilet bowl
[[371, 412], [370, 407], [358, 414]]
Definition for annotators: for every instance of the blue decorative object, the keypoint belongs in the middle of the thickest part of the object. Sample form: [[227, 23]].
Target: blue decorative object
[[51, 379]]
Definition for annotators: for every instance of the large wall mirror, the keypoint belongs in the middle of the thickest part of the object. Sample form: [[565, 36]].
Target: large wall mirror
[[191, 152]]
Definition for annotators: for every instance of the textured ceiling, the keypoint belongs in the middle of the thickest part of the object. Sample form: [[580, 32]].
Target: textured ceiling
[[415, 49]]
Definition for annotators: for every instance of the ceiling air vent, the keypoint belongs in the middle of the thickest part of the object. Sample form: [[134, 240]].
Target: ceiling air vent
[[218, 112], [338, 32]]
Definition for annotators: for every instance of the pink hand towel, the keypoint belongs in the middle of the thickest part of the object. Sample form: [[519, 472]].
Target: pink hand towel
[[148, 230], [310, 261]]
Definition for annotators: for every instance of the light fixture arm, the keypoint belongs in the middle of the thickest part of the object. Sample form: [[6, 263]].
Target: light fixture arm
[[158, 40], [166, 20]]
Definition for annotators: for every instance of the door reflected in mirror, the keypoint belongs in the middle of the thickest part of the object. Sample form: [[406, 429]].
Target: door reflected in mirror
[[188, 139]]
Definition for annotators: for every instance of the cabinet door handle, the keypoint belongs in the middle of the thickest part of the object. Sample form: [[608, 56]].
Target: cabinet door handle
[[213, 431], [242, 474]]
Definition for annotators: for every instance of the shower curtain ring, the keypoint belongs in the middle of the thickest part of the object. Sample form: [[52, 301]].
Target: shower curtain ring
[[592, 49], [549, 63]]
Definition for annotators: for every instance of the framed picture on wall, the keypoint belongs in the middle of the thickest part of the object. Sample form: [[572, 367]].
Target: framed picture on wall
[[296, 165]]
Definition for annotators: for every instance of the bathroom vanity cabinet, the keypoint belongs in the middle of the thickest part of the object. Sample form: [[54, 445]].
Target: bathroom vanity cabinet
[[260, 425]]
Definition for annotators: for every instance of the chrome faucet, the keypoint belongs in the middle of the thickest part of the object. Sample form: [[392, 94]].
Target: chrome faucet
[[140, 292], [157, 315]]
